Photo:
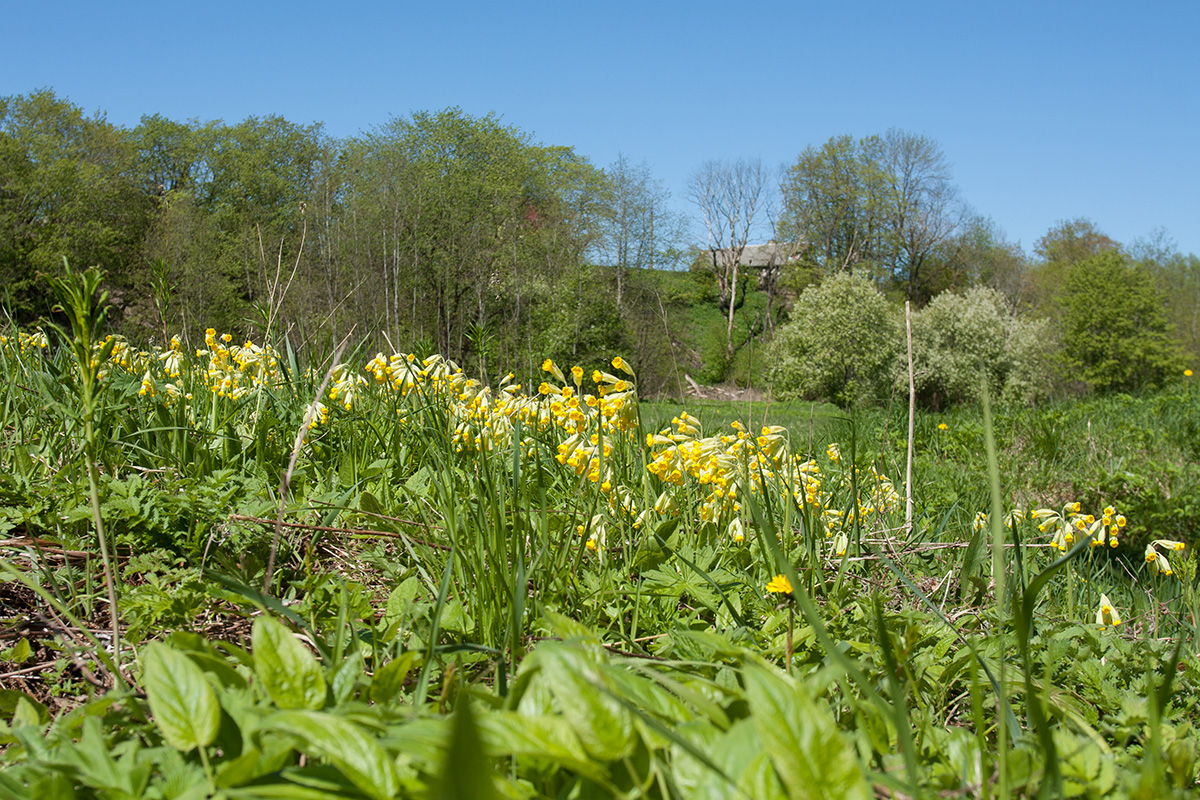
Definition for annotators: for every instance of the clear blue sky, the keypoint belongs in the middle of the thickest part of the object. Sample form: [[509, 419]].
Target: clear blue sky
[[1047, 110]]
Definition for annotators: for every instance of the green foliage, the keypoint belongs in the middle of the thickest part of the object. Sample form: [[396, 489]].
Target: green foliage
[[840, 344], [959, 338], [68, 188], [1114, 329]]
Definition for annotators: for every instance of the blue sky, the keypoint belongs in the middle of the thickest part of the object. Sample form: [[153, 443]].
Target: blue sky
[[1047, 110]]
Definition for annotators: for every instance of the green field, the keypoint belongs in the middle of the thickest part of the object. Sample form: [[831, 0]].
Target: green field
[[228, 573]]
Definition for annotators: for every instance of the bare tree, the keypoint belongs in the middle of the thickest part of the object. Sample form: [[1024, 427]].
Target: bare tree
[[728, 195]]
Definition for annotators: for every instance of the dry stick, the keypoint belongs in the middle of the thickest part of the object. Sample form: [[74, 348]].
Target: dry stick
[[305, 424], [912, 417]]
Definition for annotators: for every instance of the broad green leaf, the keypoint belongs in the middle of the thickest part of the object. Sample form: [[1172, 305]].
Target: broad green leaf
[[254, 763], [507, 733], [20, 652], [389, 680], [22, 709], [603, 725], [184, 705], [288, 671], [810, 754], [346, 745]]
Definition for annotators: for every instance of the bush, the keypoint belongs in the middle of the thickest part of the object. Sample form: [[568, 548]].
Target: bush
[[841, 344], [957, 336]]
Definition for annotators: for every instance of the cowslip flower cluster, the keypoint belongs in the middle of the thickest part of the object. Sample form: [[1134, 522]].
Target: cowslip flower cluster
[[727, 466], [1158, 563], [234, 371], [1071, 524], [26, 342]]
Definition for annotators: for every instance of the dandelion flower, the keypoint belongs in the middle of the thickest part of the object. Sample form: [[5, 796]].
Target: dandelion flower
[[943, 426], [779, 585]]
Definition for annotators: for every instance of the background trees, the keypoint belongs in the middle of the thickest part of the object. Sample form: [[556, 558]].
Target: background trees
[[729, 195], [68, 186], [637, 227], [883, 205], [1114, 327], [450, 232]]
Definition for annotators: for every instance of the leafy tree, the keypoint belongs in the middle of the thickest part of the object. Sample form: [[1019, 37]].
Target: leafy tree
[[1178, 278], [1058, 251], [959, 338], [922, 206], [833, 205], [1114, 327], [841, 343], [979, 255], [68, 186], [884, 205]]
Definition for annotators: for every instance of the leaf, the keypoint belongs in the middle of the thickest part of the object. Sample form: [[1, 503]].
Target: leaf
[[288, 671], [508, 733], [184, 705], [346, 676], [389, 680], [603, 725], [466, 773], [810, 754], [31, 711], [19, 652], [346, 745]]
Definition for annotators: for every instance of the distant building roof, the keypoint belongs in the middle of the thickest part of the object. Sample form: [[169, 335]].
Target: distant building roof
[[771, 254]]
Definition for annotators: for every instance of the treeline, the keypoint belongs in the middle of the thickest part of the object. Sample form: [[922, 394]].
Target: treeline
[[440, 232], [458, 234]]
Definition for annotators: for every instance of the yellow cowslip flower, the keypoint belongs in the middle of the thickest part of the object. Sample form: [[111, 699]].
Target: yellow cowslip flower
[[552, 368], [779, 585], [840, 543], [619, 363], [1170, 544], [1157, 561], [1106, 614]]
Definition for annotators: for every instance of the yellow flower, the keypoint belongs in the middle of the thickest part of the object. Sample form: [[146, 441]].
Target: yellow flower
[[552, 368], [619, 363], [779, 585], [1106, 615], [1187, 373], [943, 426]]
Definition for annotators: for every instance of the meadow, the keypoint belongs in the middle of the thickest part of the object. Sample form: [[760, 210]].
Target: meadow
[[231, 573]]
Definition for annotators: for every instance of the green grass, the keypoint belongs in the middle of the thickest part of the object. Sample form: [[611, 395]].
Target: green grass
[[453, 619]]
